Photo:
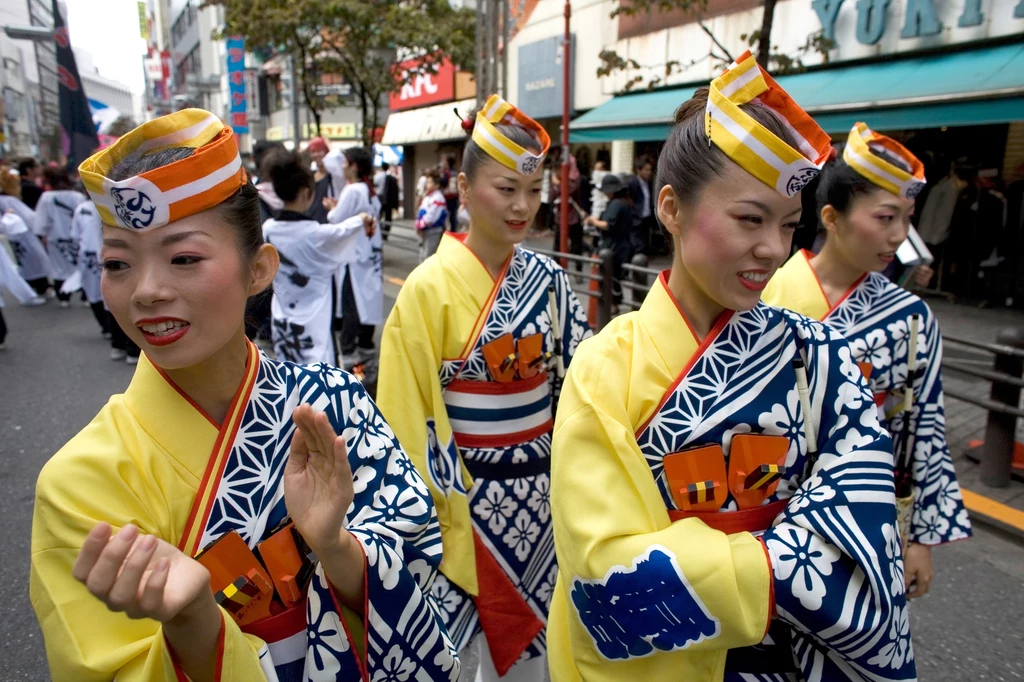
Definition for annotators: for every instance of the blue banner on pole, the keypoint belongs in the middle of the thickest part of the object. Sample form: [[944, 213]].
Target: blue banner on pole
[[236, 86]]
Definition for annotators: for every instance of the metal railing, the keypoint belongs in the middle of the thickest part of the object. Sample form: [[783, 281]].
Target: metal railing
[[995, 455]]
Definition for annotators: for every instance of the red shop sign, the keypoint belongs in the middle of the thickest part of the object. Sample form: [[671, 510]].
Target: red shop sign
[[425, 88]]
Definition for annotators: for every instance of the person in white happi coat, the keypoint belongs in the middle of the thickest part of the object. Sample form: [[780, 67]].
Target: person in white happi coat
[[33, 263], [87, 230], [13, 282], [54, 211], [310, 254], [360, 284]]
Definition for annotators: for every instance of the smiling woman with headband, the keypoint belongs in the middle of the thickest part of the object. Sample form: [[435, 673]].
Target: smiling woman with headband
[[866, 204], [720, 483], [471, 360], [206, 524]]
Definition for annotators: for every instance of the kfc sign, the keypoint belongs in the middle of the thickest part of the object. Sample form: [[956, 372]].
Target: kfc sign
[[423, 88]]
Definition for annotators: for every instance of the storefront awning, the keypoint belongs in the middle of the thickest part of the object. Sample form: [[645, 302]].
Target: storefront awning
[[428, 124], [983, 85]]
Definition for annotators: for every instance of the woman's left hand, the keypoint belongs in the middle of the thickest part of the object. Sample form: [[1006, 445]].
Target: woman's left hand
[[917, 570], [318, 481], [329, 203]]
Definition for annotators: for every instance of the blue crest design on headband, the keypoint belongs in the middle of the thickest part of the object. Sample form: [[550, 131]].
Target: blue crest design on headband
[[134, 208]]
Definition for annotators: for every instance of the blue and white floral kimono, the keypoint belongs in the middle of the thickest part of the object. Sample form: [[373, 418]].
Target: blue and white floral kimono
[[483, 444], [874, 316], [153, 458], [684, 551]]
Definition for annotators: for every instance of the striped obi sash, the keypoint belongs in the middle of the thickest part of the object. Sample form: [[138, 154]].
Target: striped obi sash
[[491, 414]]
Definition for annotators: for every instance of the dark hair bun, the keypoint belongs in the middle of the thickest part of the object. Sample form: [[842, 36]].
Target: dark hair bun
[[692, 107]]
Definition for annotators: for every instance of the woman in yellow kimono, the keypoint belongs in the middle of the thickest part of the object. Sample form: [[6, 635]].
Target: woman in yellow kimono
[[207, 524], [865, 203], [722, 491], [471, 359]]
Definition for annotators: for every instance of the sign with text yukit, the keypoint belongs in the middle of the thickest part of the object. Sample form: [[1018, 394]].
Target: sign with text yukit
[[424, 88], [920, 18], [238, 105]]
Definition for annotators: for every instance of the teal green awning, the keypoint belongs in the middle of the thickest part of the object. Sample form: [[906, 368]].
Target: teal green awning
[[971, 87]]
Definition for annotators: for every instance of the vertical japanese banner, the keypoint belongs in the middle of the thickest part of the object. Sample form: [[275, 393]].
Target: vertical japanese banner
[[236, 86]]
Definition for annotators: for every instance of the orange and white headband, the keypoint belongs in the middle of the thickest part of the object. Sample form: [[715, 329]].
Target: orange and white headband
[[500, 148], [759, 151], [169, 193], [860, 155]]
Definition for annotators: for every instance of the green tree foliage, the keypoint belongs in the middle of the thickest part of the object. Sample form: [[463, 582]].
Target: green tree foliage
[[360, 40], [122, 126]]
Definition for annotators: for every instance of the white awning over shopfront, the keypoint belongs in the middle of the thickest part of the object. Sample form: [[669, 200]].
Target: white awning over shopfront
[[429, 124]]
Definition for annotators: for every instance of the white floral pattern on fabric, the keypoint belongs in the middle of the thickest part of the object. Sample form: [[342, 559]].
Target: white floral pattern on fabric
[[805, 561], [899, 650], [875, 318], [826, 547], [522, 534], [894, 552], [392, 517], [496, 507]]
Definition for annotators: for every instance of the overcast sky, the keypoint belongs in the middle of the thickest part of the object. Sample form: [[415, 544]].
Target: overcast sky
[[111, 35]]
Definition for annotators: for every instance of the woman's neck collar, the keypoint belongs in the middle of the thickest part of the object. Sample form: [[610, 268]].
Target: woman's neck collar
[[835, 274], [700, 310], [492, 254], [213, 383]]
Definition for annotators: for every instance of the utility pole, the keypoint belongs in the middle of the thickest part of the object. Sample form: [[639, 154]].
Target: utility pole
[[563, 242]]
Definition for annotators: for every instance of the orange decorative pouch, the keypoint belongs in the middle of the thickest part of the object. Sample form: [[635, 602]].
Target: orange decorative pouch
[[756, 464], [696, 478], [501, 357]]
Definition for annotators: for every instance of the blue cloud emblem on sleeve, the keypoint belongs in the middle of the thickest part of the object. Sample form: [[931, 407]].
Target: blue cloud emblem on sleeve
[[633, 611]]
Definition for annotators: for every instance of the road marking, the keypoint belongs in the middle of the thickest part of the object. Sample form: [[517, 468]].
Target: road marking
[[395, 280], [992, 509]]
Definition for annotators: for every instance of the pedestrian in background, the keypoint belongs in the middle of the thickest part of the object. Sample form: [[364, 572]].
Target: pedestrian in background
[[54, 212], [450, 188], [360, 282], [598, 199], [641, 192], [616, 224], [29, 171], [432, 215], [311, 253], [29, 252], [324, 185], [388, 199]]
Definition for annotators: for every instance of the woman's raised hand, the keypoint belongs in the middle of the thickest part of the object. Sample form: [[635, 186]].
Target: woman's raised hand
[[318, 481]]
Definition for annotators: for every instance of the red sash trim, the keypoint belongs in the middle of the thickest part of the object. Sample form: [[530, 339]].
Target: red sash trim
[[507, 621], [207, 493], [280, 626], [749, 520], [496, 387], [880, 398]]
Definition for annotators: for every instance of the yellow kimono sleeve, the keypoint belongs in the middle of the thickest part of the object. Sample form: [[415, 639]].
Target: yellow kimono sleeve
[[639, 597], [409, 396], [94, 479]]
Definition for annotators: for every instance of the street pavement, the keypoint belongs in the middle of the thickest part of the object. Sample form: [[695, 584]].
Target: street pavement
[[55, 375]]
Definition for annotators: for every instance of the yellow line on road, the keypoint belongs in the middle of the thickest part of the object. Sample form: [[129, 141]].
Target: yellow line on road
[[395, 280], [994, 510]]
